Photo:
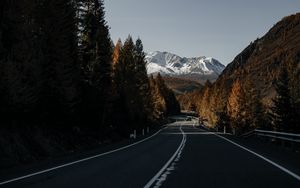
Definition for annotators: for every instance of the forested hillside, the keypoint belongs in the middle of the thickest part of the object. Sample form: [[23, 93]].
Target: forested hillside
[[260, 88], [181, 85], [65, 86]]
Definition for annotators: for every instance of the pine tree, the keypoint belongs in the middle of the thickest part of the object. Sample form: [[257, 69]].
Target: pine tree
[[130, 89], [119, 109], [172, 105], [283, 112], [2, 90], [223, 120], [61, 75], [102, 69], [254, 114], [95, 53], [94, 42], [143, 80], [259, 118], [2, 5], [87, 36], [129, 82], [20, 58]]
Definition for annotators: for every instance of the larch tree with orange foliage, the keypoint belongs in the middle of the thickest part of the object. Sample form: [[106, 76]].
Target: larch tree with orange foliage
[[235, 107]]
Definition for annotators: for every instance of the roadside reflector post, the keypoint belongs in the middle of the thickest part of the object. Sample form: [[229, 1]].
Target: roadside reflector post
[[134, 133], [143, 132], [224, 130]]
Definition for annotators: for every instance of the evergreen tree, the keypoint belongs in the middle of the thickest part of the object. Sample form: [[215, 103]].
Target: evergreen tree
[[223, 121], [172, 105], [61, 70], [2, 102], [254, 115], [95, 52], [87, 31], [283, 112], [94, 42], [143, 80], [101, 76], [57, 67], [130, 89], [129, 82], [20, 58]]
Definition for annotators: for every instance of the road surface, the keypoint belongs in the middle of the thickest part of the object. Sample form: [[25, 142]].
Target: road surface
[[179, 155]]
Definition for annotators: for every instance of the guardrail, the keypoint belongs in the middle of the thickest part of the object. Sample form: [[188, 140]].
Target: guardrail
[[272, 134]]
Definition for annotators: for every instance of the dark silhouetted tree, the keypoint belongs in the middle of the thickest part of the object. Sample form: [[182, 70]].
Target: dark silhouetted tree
[[61, 94], [223, 121], [283, 113], [20, 59], [172, 105], [95, 52]]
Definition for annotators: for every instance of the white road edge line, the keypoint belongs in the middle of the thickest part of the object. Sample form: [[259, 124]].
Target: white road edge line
[[149, 184], [78, 161], [262, 157]]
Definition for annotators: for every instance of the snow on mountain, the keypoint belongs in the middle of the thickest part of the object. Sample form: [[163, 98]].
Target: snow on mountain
[[171, 64]]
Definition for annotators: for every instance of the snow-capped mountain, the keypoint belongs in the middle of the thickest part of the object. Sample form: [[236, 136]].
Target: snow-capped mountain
[[174, 65]]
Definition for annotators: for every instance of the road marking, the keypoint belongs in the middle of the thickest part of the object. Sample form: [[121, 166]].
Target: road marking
[[170, 168], [177, 152], [79, 161], [190, 133], [263, 158]]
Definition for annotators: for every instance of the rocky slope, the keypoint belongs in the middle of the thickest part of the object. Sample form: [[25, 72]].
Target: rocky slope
[[260, 64]]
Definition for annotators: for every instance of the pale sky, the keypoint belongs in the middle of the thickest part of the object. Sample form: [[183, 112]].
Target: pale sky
[[192, 28]]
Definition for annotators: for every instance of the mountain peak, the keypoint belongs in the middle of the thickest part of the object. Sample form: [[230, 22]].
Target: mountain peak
[[167, 63]]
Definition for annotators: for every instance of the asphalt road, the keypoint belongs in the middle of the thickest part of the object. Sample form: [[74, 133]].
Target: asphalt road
[[180, 155]]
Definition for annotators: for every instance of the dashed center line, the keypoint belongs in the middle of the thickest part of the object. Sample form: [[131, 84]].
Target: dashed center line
[[162, 174]]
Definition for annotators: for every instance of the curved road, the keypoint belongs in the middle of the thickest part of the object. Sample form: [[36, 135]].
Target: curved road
[[177, 156]]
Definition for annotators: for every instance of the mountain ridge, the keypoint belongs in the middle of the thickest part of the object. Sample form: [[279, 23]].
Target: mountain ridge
[[196, 68]]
